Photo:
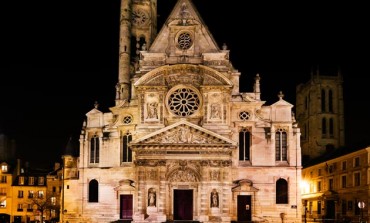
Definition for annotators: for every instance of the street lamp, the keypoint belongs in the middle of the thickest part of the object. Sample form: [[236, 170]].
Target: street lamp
[[361, 205]]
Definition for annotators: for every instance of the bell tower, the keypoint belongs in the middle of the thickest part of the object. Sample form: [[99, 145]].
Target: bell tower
[[320, 114], [138, 27]]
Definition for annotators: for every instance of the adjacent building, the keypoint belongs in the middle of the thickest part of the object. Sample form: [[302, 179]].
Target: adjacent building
[[337, 186], [181, 141]]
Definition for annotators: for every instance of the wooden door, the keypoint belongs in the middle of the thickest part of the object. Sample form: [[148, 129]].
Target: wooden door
[[183, 204], [126, 206], [244, 208]]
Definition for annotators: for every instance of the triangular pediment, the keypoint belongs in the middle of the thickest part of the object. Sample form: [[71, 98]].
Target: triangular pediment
[[184, 16], [184, 133]]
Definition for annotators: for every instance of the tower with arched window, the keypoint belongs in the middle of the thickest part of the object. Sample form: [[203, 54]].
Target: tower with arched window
[[320, 114]]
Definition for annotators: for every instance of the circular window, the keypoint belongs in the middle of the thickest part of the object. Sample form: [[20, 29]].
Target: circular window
[[244, 115], [183, 102], [184, 41]]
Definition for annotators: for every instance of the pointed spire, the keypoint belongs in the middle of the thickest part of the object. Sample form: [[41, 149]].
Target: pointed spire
[[70, 147]]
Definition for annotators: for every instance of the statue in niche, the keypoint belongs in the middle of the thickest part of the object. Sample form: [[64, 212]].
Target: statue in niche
[[214, 198], [215, 111], [151, 198], [152, 111]]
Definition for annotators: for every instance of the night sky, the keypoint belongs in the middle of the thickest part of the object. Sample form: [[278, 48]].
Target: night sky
[[59, 57]]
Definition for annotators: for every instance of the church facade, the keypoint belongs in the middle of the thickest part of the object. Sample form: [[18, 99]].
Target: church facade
[[182, 143]]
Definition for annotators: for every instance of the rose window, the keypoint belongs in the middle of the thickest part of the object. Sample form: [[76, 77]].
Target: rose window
[[184, 41], [183, 102]]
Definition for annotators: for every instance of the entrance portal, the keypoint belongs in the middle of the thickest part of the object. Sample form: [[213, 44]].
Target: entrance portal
[[126, 206], [244, 208], [183, 205]]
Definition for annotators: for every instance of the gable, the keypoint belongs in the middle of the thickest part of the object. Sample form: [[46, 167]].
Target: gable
[[184, 18], [184, 133]]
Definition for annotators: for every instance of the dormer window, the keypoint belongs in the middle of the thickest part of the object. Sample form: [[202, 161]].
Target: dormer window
[[41, 180]]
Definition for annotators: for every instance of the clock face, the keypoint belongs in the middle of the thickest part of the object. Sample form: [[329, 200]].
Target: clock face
[[139, 17]]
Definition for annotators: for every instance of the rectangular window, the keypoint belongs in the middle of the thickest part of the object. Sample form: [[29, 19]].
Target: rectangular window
[[41, 180], [40, 194], [319, 173], [3, 179], [281, 146], [30, 194], [31, 181], [19, 207], [331, 184], [126, 150], [4, 168], [318, 207], [344, 207], [21, 180], [53, 200], [344, 181], [3, 191], [357, 179], [344, 165], [319, 186], [244, 145], [54, 189], [29, 208], [357, 162], [20, 194]]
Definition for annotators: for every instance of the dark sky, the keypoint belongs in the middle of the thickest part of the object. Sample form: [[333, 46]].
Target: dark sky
[[58, 57]]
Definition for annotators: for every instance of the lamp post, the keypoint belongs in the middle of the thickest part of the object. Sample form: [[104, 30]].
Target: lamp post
[[361, 205]]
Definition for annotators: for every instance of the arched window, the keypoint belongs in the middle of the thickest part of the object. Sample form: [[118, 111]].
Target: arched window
[[323, 127], [244, 144], [330, 101], [331, 127], [323, 100], [281, 145], [93, 191], [94, 149], [281, 191], [126, 150]]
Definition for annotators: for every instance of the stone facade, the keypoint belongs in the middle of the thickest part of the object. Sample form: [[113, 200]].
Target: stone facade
[[320, 114], [181, 142]]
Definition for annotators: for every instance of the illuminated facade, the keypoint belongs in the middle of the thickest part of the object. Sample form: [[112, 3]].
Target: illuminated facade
[[6, 179], [334, 187], [181, 141]]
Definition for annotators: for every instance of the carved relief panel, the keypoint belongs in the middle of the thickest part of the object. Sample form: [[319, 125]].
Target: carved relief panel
[[151, 107]]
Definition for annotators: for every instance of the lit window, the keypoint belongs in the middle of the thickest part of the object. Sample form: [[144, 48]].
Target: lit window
[[41, 180], [40, 194], [3, 202], [21, 180], [31, 181], [30, 194], [4, 168]]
